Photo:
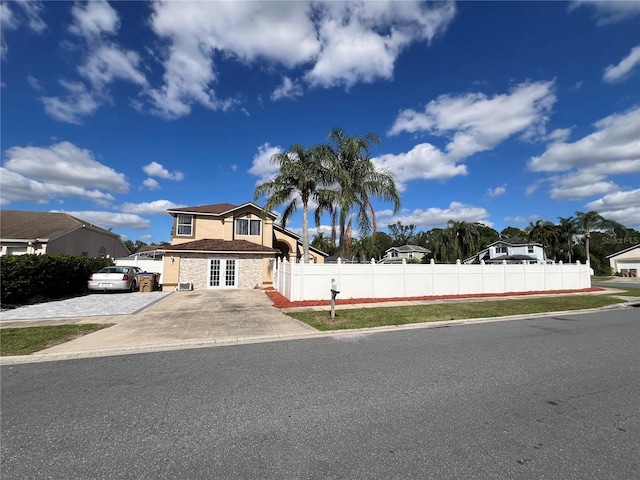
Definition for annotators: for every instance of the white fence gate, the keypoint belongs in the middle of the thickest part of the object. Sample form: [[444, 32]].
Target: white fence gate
[[300, 281]]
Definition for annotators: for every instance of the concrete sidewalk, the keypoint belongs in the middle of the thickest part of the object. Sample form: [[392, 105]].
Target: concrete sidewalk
[[197, 319]]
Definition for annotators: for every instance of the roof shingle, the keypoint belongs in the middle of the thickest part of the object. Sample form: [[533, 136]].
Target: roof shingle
[[216, 245]]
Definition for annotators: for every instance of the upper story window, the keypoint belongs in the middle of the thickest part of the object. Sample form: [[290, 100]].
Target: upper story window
[[245, 226], [185, 225], [394, 254], [530, 249], [410, 255], [501, 250]]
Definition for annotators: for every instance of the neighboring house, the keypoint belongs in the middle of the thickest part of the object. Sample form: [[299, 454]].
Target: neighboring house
[[626, 262], [227, 246], [511, 250], [23, 232], [396, 254]]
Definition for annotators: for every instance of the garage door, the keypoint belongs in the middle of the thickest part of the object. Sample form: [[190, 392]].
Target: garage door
[[223, 273]]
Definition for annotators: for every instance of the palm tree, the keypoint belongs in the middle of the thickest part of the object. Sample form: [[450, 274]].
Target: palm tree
[[301, 178], [543, 232], [592, 221], [566, 232], [357, 181]]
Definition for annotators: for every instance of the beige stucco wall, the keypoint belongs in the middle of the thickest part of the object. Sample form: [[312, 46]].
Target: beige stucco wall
[[90, 241]]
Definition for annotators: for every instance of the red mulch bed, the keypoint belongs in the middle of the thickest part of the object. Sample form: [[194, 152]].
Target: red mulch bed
[[280, 301]]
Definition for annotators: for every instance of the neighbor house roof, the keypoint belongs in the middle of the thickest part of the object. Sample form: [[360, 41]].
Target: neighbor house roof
[[624, 251], [214, 209], [216, 245], [502, 258], [43, 226], [514, 242], [410, 248], [297, 237]]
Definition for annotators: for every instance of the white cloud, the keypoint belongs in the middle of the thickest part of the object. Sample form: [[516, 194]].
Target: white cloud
[[63, 170], [338, 43], [104, 63], [622, 207], [435, 217], [16, 187], [521, 219], [608, 11], [262, 165], [109, 220], [360, 41], [476, 122], [64, 164], [614, 140], [155, 169], [151, 183], [107, 64], [289, 89], [10, 20], [424, 161], [157, 207], [93, 19], [616, 201], [559, 135], [615, 73], [496, 192], [78, 103]]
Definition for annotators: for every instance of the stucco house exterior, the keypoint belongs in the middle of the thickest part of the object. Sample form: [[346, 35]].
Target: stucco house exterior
[[512, 250], [227, 246], [396, 254], [626, 262], [25, 232]]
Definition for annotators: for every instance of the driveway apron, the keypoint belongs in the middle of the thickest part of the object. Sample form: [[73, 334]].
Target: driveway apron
[[190, 318]]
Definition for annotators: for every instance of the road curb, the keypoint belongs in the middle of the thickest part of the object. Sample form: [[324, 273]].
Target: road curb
[[231, 341]]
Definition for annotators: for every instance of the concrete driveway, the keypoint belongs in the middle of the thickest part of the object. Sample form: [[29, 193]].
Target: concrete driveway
[[183, 320]]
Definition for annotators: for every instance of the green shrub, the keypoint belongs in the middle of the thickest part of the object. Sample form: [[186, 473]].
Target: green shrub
[[25, 277]]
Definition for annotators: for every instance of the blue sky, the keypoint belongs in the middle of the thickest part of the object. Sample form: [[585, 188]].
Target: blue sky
[[502, 113]]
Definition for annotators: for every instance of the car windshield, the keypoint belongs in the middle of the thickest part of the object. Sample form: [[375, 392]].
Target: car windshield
[[114, 270]]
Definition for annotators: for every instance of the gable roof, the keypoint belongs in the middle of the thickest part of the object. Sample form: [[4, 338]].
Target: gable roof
[[217, 245], [514, 242], [296, 237], [624, 251], [410, 248], [25, 225], [215, 209]]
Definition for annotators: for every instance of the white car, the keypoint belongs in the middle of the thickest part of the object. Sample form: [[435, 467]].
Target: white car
[[114, 278]]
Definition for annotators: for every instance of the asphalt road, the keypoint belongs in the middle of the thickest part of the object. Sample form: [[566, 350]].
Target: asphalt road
[[553, 397]]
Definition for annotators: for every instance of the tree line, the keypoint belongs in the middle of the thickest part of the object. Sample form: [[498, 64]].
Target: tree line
[[575, 238]]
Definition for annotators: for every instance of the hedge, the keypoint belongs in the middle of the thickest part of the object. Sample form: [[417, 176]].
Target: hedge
[[24, 277]]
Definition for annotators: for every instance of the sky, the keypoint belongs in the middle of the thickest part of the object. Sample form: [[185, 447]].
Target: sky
[[495, 112]]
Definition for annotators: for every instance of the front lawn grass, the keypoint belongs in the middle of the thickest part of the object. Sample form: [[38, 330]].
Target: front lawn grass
[[437, 312], [26, 340]]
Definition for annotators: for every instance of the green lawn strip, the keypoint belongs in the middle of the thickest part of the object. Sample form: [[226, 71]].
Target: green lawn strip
[[26, 340], [628, 292], [437, 312]]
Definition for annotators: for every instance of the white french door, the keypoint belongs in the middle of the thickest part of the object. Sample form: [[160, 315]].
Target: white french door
[[223, 273]]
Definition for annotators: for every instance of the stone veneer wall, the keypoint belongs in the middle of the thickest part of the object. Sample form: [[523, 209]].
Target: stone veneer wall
[[194, 267]]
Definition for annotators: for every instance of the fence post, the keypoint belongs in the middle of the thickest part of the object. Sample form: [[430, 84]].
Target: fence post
[[432, 263], [373, 278], [458, 274], [482, 276], [562, 274], [404, 277], [301, 285]]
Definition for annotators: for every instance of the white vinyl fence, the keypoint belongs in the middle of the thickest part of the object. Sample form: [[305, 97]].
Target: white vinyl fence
[[146, 264], [300, 281]]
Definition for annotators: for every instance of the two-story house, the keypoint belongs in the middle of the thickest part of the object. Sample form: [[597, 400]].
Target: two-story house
[[25, 232], [227, 246], [396, 254], [511, 250]]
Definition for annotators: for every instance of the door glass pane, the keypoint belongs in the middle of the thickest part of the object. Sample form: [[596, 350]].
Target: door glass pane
[[214, 273], [230, 273]]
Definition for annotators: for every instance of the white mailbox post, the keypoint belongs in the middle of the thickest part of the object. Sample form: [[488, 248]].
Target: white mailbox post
[[335, 290]]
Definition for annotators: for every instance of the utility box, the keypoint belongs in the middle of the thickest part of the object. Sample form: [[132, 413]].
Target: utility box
[[147, 282]]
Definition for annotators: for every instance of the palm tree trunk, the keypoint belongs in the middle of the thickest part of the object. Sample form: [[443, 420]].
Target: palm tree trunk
[[305, 232]]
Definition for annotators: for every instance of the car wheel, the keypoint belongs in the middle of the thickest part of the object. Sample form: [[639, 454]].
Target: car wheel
[[133, 287]]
